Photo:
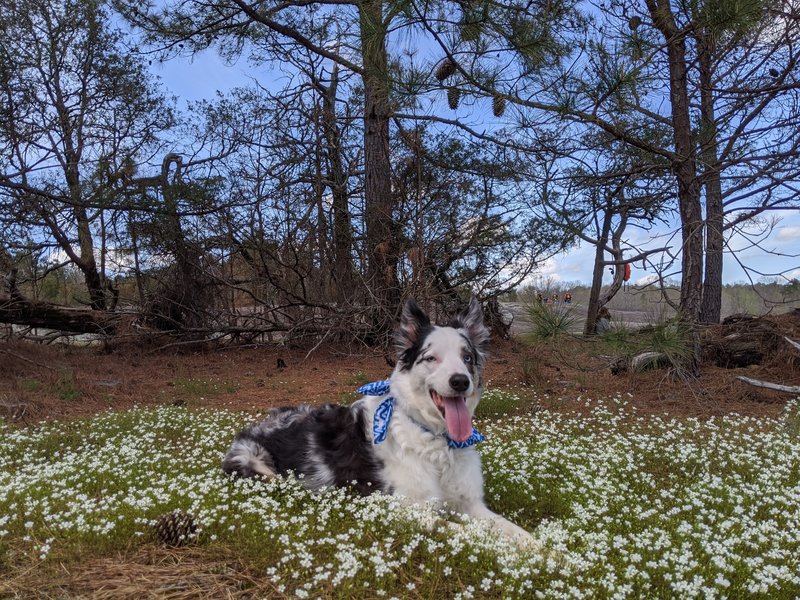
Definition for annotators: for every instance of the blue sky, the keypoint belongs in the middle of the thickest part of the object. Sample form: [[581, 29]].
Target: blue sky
[[202, 76]]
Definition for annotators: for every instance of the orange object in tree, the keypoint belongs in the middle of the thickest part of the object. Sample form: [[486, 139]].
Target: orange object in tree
[[627, 271]]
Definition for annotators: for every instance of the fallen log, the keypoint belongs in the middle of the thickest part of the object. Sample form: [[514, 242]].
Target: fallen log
[[644, 361], [17, 311], [791, 389]]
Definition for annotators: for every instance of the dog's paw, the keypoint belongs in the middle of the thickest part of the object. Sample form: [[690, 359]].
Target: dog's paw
[[526, 542], [520, 536]]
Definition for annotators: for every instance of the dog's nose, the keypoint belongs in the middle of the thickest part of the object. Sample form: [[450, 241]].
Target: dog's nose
[[459, 382]]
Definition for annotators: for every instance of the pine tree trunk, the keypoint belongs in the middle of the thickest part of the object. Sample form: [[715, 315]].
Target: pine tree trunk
[[342, 221], [71, 132], [86, 263], [685, 163], [711, 308], [590, 327], [381, 241], [685, 168]]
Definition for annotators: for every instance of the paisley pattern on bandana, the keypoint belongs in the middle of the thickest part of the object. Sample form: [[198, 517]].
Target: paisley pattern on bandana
[[376, 388], [385, 410], [476, 438], [380, 422]]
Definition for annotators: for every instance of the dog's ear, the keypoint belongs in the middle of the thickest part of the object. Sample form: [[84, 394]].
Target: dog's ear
[[471, 319], [412, 322]]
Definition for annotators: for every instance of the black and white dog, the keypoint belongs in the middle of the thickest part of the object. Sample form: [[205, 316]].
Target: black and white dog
[[411, 435]]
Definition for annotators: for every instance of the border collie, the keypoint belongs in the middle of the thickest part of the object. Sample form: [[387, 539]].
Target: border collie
[[411, 435]]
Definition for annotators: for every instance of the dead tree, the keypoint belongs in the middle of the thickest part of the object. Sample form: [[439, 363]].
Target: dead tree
[[184, 295]]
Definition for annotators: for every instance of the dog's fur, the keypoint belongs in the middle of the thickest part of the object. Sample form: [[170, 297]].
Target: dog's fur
[[439, 369]]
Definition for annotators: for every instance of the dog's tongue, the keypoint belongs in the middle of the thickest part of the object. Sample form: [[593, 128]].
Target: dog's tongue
[[457, 417]]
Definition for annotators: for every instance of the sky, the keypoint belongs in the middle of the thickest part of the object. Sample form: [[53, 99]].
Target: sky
[[201, 77]]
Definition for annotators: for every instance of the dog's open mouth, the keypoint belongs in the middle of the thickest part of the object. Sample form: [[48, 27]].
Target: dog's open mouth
[[456, 415]]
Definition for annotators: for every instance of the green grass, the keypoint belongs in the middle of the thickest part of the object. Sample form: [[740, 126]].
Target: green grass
[[496, 402], [354, 381], [189, 387], [29, 384], [640, 507], [66, 388], [358, 379]]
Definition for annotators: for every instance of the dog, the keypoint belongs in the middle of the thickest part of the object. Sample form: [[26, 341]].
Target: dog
[[411, 436]]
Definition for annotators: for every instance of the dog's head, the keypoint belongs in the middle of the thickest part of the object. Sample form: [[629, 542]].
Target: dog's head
[[440, 369]]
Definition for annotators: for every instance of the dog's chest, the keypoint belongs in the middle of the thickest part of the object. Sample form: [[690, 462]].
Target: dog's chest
[[421, 464], [432, 455], [429, 451]]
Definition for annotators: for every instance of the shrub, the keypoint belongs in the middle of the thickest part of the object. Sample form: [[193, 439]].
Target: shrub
[[672, 339], [549, 322]]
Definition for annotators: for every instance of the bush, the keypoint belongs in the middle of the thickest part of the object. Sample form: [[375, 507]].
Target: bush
[[671, 338], [549, 322]]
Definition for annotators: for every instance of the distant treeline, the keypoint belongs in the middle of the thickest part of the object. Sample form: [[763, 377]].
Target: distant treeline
[[757, 299]]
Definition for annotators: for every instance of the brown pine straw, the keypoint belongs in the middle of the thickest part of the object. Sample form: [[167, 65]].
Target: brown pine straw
[[152, 572]]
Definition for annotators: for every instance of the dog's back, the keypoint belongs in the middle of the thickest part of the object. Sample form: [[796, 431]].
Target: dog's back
[[326, 446]]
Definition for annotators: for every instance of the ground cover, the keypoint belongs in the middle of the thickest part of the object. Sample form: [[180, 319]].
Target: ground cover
[[631, 505], [671, 487]]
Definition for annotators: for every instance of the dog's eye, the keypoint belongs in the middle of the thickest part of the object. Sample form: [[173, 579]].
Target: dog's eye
[[468, 358], [430, 358]]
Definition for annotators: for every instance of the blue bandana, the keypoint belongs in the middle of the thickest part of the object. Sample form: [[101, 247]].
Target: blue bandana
[[383, 415]]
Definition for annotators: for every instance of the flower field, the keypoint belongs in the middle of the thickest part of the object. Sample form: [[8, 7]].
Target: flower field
[[630, 506]]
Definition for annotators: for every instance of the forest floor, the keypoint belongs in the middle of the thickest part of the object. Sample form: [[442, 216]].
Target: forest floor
[[40, 382]]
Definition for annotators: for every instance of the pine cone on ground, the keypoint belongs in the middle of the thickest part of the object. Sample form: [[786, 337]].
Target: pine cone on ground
[[175, 528]]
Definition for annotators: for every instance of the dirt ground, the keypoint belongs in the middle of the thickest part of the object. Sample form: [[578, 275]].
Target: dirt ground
[[56, 382]]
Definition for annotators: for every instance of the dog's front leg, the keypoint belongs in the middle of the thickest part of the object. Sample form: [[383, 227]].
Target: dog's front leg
[[513, 531], [522, 537]]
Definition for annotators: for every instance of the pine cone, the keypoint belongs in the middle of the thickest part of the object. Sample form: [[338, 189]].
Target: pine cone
[[446, 68], [175, 528], [453, 97], [498, 105]]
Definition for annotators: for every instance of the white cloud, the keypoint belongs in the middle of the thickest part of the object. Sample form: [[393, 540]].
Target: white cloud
[[789, 233], [548, 268], [545, 273]]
